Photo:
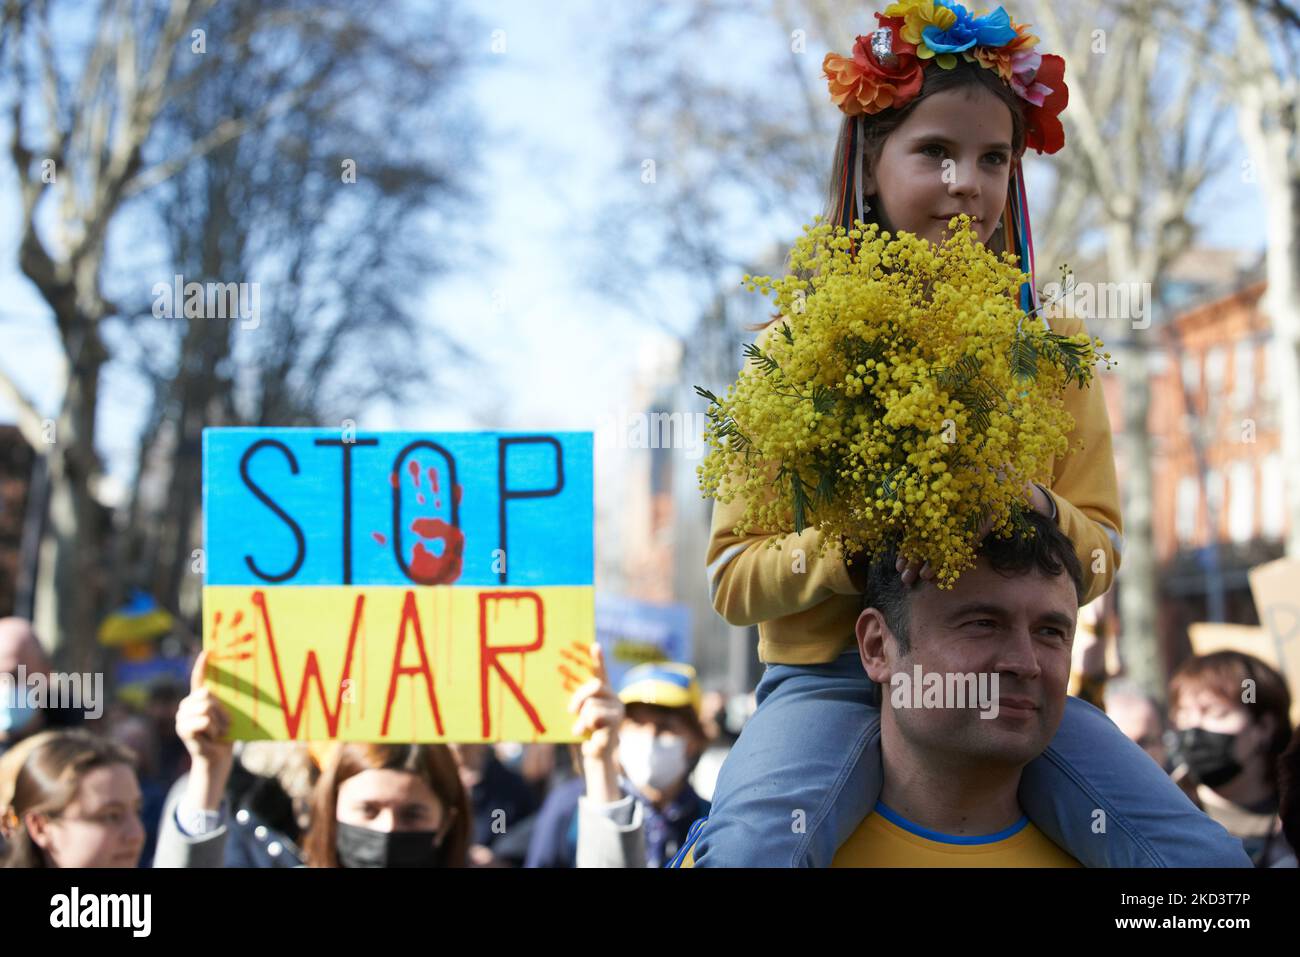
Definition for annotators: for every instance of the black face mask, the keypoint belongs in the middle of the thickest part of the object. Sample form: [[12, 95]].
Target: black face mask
[[1208, 755], [363, 847]]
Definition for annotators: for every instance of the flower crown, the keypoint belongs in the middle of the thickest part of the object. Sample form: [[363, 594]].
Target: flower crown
[[886, 69]]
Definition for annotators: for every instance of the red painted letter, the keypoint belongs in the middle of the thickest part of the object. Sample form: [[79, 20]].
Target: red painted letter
[[312, 670], [489, 656], [411, 615]]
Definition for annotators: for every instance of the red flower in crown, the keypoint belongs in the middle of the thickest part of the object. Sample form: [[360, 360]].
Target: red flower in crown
[[872, 81], [1043, 130]]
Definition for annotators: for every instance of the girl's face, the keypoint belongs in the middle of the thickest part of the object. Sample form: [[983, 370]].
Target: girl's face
[[951, 155], [100, 827], [383, 799]]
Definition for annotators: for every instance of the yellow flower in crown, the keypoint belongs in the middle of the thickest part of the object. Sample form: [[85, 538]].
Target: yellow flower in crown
[[942, 29], [917, 15]]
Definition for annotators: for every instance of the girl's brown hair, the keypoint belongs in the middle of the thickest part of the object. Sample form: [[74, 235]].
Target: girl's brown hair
[[1224, 674], [876, 128], [48, 781], [432, 762]]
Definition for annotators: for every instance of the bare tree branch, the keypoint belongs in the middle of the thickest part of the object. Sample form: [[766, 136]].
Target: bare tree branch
[[1081, 112], [30, 420], [228, 129]]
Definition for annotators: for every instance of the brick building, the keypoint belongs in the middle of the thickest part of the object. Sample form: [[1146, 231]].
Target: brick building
[[1219, 478]]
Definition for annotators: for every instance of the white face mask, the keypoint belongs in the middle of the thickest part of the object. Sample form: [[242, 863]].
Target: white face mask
[[657, 761], [14, 713]]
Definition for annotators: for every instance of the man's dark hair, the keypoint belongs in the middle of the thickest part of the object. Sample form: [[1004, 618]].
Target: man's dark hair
[[1046, 548]]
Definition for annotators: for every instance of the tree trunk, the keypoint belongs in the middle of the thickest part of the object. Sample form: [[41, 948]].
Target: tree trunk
[[70, 589], [1138, 593], [1283, 306]]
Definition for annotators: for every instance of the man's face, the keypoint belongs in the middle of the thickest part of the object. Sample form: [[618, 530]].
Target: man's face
[[18, 646], [1018, 628]]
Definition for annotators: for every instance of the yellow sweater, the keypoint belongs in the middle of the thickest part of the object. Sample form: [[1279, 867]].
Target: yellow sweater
[[807, 616]]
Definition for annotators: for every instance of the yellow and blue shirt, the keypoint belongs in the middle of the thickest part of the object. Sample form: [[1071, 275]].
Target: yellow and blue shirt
[[887, 839]]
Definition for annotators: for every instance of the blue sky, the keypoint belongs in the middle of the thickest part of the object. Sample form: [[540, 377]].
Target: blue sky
[[550, 344]]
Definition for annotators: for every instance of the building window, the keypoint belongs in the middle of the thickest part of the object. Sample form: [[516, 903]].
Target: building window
[[1192, 372], [1216, 361], [1241, 502], [1270, 373], [1214, 367], [1243, 374], [1214, 504], [1185, 509], [1272, 497]]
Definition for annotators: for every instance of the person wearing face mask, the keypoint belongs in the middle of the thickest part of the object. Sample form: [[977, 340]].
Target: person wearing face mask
[[75, 803], [658, 740], [19, 647], [374, 805], [389, 805], [1230, 715]]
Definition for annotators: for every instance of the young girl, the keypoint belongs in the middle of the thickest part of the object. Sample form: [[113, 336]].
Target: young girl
[[940, 106]]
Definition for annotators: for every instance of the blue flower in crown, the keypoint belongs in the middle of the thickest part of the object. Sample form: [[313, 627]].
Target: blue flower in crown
[[992, 30]]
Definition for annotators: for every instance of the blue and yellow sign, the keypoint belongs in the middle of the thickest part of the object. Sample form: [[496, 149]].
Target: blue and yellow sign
[[398, 586]]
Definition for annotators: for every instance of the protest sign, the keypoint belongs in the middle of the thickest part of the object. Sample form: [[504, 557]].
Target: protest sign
[[635, 632], [394, 586], [1276, 589]]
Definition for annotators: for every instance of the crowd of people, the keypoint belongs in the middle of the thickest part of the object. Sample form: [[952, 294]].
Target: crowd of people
[[160, 785], [164, 787]]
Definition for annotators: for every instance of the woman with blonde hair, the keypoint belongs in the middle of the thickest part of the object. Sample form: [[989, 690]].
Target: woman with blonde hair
[[75, 803]]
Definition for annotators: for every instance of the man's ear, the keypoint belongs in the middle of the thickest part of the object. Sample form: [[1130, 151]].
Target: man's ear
[[872, 634]]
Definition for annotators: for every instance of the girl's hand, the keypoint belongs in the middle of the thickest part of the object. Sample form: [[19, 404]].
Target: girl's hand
[[1041, 501], [912, 570], [202, 725], [600, 712]]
